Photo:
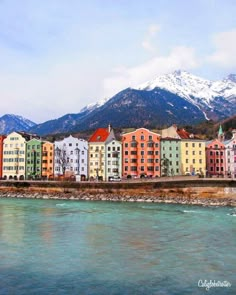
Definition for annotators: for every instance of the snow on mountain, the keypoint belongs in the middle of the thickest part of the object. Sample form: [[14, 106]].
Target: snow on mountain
[[10, 122], [190, 86], [92, 106]]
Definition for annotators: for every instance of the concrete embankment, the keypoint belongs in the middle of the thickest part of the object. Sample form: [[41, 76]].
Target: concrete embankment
[[218, 192]]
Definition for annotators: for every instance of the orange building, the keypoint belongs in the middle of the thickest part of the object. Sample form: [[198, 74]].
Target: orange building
[[48, 160], [2, 137], [141, 153]]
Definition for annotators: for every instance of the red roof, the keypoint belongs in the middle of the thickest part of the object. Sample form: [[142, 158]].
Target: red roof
[[100, 135]]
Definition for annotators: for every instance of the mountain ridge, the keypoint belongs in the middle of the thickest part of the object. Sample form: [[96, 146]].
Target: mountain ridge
[[175, 98]]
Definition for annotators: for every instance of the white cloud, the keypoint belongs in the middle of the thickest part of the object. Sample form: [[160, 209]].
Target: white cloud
[[148, 40], [180, 57], [224, 55]]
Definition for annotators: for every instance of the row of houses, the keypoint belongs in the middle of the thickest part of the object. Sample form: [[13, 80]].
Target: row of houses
[[138, 153]]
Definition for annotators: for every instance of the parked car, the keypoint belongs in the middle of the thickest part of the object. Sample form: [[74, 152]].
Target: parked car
[[115, 178]]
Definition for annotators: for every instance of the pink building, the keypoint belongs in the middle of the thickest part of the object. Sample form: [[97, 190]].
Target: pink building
[[141, 153], [215, 158]]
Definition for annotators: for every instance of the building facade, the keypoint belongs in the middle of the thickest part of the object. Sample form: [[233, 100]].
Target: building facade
[[2, 137], [33, 169], [141, 153], [113, 159], [47, 160], [97, 151], [70, 157], [170, 157], [14, 156], [230, 154], [215, 155], [193, 157]]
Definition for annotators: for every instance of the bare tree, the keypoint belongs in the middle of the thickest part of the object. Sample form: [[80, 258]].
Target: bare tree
[[62, 159]]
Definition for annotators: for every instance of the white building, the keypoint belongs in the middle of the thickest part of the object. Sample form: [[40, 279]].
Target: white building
[[230, 154], [71, 156], [113, 159]]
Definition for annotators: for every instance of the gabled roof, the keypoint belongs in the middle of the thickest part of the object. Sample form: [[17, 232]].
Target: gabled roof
[[183, 134], [100, 135]]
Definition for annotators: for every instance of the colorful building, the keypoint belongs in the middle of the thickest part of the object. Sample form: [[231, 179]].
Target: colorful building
[[70, 156], [14, 156], [113, 159], [2, 137], [97, 150], [141, 153], [33, 159], [215, 156], [230, 154], [170, 156], [47, 160], [193, 156]]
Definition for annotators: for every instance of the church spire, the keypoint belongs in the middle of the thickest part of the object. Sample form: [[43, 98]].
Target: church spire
[[221, 136]]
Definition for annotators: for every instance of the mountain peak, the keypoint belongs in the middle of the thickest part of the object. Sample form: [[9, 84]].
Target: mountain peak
[[231, 77], [11, 122]]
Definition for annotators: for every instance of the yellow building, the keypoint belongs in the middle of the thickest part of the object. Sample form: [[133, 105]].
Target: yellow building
[[97, 144], [193, 157], [14, 156], [47, 160]]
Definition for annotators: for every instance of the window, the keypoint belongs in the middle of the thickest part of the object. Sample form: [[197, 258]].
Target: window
[[150, 144], [142, 137], [133, 137]]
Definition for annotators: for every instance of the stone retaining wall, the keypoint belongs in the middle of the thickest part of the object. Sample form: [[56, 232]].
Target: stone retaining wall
[[218, 193]]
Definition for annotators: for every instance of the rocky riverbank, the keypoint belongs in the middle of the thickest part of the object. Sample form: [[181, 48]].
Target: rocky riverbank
[[194, 191], [177, 199]]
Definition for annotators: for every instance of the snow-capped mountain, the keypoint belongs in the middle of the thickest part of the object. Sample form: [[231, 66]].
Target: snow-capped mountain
[[9, 123], [198, 91], [92, 106]]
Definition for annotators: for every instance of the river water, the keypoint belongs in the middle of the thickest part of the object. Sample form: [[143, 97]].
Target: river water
[[78, 247]]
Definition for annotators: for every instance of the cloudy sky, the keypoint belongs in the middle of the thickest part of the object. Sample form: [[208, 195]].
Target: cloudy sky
[[56, 56]]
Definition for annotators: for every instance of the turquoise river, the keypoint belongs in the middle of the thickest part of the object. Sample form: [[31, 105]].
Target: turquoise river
[[79, 247]]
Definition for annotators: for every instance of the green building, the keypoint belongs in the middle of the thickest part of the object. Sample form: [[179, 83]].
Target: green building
[[170, 157], [33, 159]]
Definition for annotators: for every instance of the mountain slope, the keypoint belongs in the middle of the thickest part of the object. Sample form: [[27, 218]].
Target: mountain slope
[[179, 98], [217, 99], [135, 108], [9, 123]]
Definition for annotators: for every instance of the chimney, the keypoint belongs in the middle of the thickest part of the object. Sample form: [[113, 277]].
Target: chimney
[[109, 128]]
